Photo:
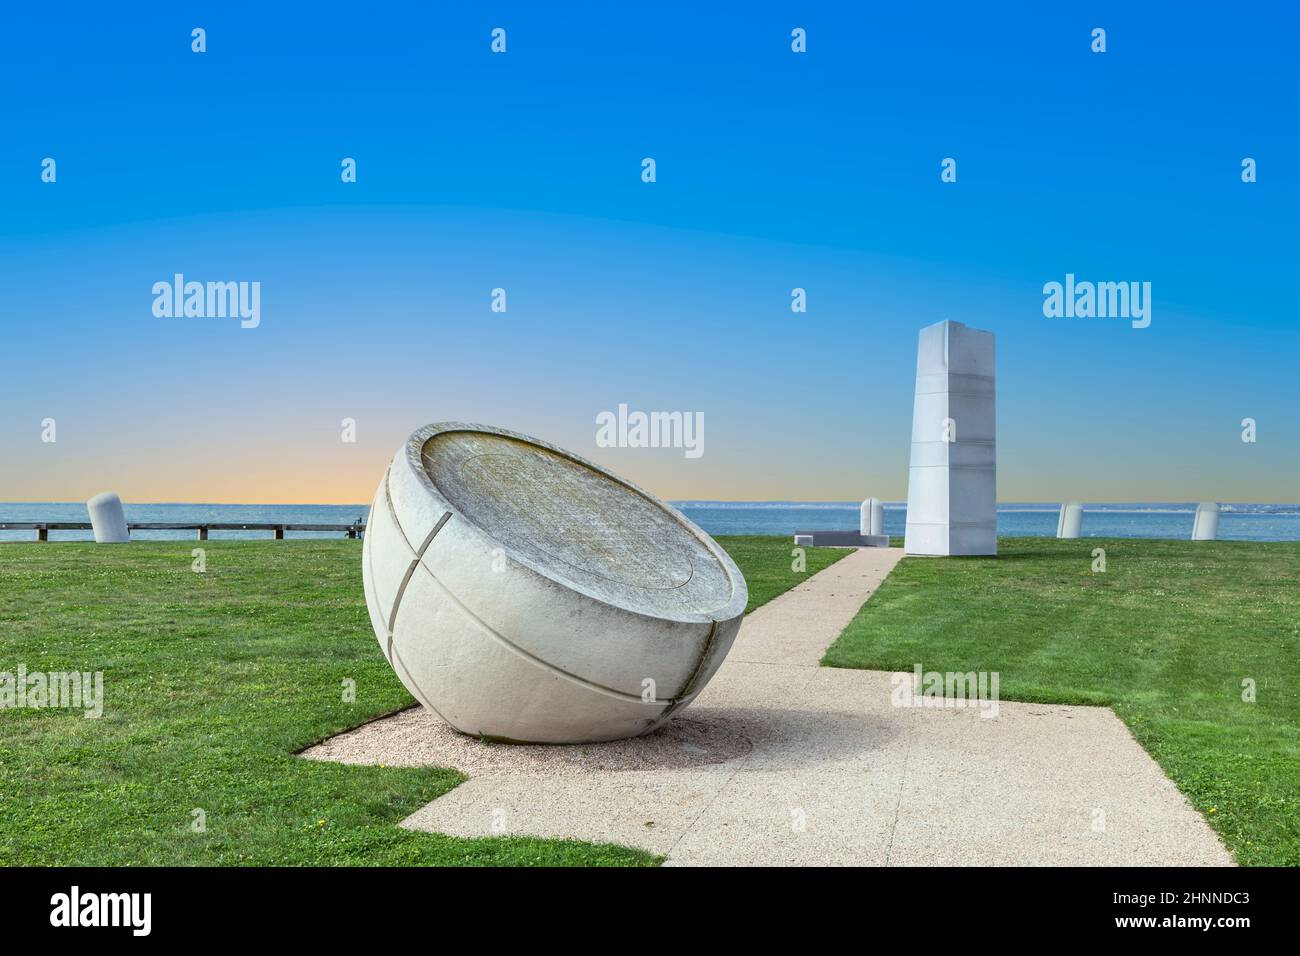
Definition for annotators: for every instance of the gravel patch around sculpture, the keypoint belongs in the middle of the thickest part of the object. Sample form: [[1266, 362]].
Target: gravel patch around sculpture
[[783, 762], [418, 738]]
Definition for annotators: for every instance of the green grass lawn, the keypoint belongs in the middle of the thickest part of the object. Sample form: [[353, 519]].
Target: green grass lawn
[[211, 682], [767, 564], [1166, 636]]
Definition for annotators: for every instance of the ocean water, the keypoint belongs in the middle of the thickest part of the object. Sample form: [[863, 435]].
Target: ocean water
[[1238, 522]]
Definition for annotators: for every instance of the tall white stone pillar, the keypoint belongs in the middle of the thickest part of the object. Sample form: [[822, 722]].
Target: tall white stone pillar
[[952, 482]]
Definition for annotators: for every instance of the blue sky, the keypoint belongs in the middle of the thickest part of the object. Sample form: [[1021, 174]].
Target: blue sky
[[522, 171]]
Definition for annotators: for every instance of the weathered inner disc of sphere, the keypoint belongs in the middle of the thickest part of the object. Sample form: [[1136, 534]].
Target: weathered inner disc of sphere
[[576, 523]]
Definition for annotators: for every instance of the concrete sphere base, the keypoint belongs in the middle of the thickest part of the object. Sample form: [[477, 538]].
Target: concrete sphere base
[[525, 594]]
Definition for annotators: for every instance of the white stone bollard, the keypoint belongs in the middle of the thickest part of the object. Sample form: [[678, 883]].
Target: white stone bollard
[[871, 517], [1071, 521], [1206, 525], [107, 519], [871, 525], [523, 593], [952, 479]]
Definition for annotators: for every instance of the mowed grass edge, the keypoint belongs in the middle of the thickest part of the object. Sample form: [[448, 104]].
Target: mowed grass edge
[[213, 681], [1171, 636]]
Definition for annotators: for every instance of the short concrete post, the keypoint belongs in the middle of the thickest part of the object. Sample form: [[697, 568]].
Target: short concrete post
[[42, 533], [1206, 525], [1071, 521], [203, 533], [871, 517], [279, 533], [871, 528], [107, 519]]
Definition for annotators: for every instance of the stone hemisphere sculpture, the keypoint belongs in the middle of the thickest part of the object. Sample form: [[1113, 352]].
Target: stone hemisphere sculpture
[[525, 594]]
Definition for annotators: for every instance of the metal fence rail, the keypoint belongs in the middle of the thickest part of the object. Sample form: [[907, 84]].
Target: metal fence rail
[[43, 528]]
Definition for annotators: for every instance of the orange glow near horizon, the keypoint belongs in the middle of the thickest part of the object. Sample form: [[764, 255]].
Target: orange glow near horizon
[[312, 472]]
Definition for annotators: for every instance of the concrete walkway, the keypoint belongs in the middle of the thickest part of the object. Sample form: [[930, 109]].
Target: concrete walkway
[[782, 762]]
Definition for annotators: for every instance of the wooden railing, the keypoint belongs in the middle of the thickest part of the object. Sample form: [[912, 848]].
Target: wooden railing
[[43, 528]]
